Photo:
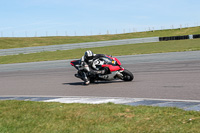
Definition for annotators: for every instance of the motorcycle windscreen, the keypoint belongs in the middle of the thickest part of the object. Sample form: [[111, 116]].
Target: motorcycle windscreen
[[118, 62]]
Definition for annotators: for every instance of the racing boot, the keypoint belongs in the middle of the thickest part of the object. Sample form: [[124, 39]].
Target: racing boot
[[85, 79], [87, 82]]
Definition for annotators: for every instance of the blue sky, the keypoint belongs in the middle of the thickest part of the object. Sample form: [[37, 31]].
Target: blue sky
[[89, 17]]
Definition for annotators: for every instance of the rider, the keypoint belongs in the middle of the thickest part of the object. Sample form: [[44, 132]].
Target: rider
[[94, 62]]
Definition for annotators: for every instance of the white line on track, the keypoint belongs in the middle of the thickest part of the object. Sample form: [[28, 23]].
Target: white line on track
[[183, 104], [95, 100]]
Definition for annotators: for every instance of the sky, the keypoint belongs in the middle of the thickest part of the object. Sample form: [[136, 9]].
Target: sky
[[34, 18]]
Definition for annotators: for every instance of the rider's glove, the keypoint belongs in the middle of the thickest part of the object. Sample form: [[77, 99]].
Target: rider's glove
[[82, 63]]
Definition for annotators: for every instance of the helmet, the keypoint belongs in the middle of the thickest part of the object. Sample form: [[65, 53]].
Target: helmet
[[89, 55]]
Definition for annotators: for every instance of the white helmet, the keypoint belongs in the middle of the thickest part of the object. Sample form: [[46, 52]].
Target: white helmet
[[89, 55]]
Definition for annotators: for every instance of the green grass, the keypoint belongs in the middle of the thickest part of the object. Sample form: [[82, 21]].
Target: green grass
[[129, 49], [13, 42], [39, 117]]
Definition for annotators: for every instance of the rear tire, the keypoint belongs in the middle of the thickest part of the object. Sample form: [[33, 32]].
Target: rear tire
[[127, 75]]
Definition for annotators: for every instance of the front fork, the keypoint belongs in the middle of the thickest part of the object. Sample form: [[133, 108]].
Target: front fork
[[119, 73]]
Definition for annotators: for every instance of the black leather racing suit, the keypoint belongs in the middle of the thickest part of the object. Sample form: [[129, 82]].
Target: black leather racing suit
[[95, 68]]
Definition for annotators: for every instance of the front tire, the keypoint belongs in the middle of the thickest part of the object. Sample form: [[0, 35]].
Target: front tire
[[127, 75]]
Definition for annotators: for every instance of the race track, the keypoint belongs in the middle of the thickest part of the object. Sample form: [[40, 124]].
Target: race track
[[158, 76]]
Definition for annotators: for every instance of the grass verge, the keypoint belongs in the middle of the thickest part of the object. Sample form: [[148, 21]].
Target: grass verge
[[14, 42], [39, 117], [129, 49]]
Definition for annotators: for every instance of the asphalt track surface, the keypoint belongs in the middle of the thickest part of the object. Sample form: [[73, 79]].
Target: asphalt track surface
[[161, 76], [157, 76]]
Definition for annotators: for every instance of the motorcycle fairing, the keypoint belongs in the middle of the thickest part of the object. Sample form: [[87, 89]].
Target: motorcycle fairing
[[118, 62], [75, 62], [114, 59], [111, 67], [109, 76]]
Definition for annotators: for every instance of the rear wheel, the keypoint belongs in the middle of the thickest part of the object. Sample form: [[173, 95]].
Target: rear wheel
[[127, 75]]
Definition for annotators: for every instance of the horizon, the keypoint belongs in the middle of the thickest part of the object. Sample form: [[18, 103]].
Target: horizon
[[105, 33]]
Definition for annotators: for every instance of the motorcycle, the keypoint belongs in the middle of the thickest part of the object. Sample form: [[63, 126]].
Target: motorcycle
[[116, 71]]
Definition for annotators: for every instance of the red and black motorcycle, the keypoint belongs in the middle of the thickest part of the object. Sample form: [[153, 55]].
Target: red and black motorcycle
[[116, 71]]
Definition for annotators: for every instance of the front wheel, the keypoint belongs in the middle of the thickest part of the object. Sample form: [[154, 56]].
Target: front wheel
[[127, 75]]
